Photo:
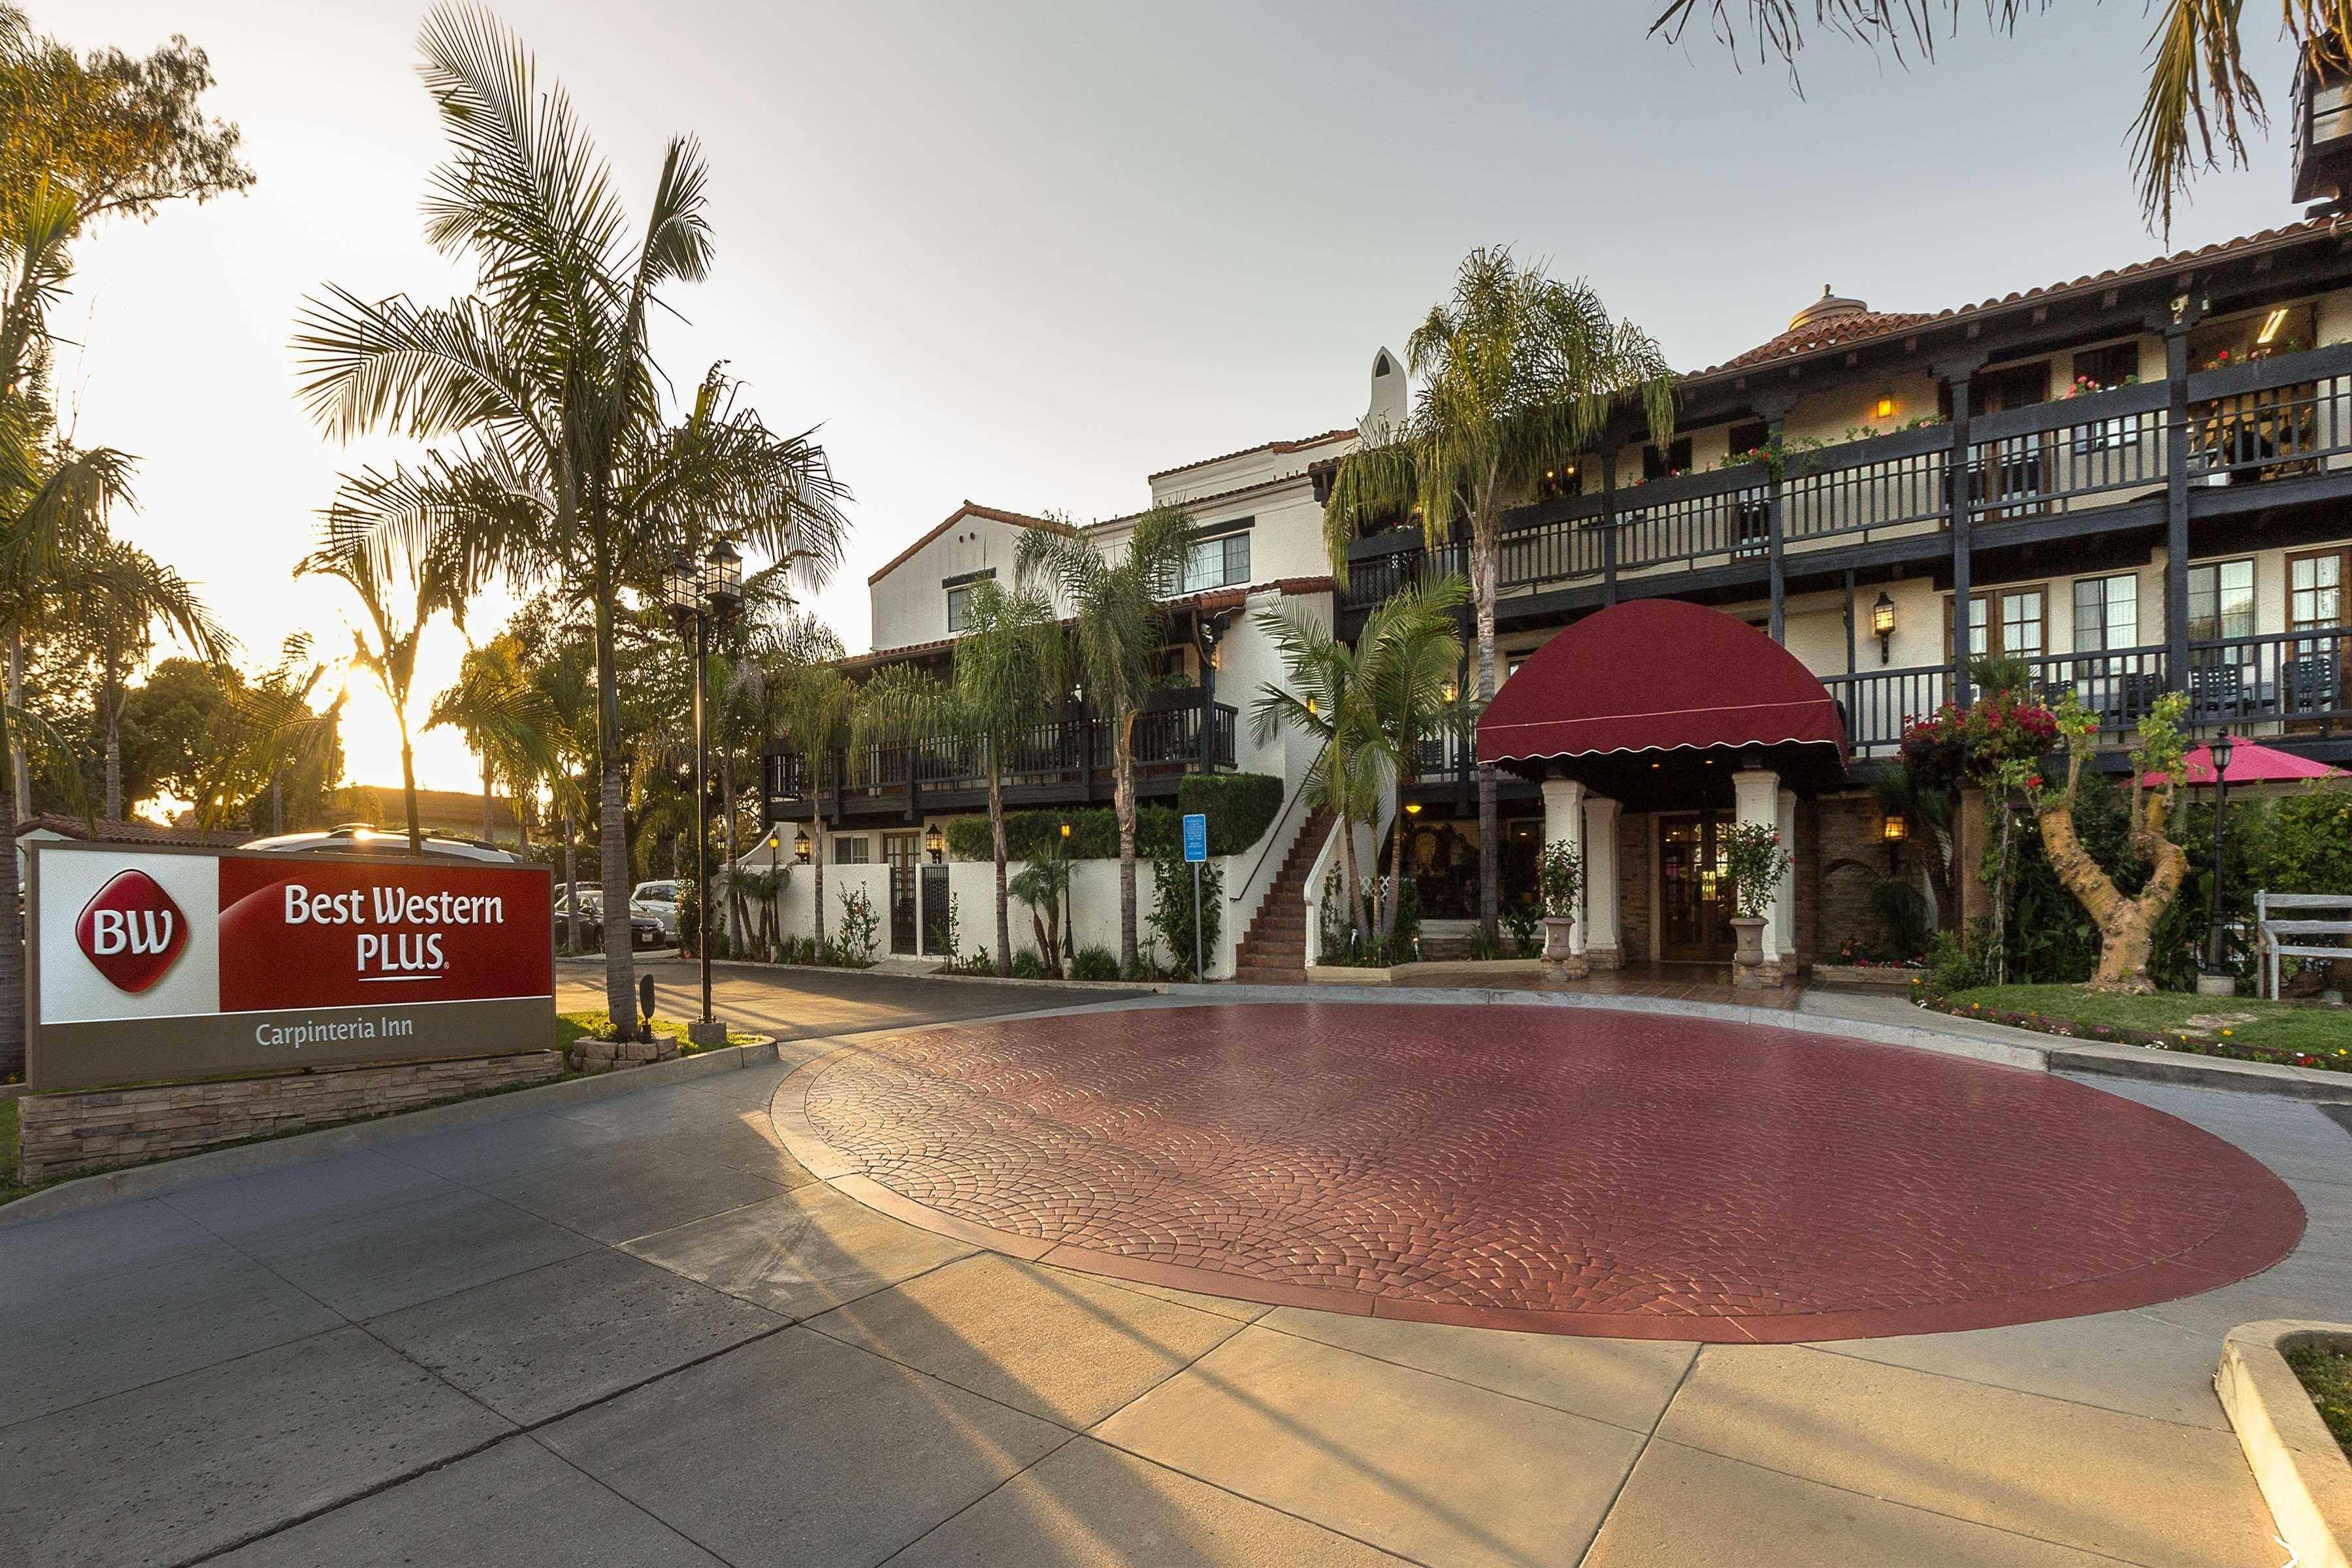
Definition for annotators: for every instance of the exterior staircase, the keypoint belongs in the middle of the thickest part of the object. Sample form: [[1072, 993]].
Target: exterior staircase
[[1273, 950]]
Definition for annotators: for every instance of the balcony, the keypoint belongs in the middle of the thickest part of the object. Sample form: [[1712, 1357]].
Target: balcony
[[1064, 761], [2294, 683], [2266, 432]]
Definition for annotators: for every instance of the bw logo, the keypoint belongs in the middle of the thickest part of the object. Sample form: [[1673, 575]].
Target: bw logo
[[132, 932]]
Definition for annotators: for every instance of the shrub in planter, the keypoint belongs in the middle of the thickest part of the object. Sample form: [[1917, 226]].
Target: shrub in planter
[[1095, 963], [1027, 966], [1756, 861], [1240, 806], [1560, 875]]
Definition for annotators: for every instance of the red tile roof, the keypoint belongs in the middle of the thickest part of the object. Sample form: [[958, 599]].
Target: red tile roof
[[969, 509], [133, 831], [1845, 331], [1300, 444]]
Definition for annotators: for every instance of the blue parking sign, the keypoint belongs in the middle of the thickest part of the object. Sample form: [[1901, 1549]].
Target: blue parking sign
[[1196, 836]]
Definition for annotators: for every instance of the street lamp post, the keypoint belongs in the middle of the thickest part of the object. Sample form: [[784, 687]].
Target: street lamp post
[[2216, 940], [702, 601]]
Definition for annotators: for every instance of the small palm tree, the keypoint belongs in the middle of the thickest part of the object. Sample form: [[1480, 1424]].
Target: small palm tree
[[1520, 374], [1007, 668], [508, 721], [1408, 655], [279, 734], [815, 708], [1119, 623], [399, 592], [1324, 697]]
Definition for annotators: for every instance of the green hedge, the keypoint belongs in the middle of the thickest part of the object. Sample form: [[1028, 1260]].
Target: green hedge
[[1239, 806]]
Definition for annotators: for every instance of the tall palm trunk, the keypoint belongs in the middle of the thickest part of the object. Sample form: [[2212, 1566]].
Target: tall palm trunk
[[572, 910], [489, 836], [21, 794], [996, 835], [816, 864], [1354, 881], [408, 793], [1123, 802], [1396, 868], [1482, 568], [12, 930], [620, 965], [112, 702]]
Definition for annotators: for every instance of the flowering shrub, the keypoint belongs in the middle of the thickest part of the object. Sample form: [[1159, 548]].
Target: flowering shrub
[[1756, 862], [1973, 743]]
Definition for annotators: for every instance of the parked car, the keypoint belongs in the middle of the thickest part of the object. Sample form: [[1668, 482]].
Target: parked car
[[363, 838], [643, 930], [658, 899]]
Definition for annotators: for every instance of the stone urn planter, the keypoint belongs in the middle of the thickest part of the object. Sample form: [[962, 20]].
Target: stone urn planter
[[1561, 964], [1747, 956]]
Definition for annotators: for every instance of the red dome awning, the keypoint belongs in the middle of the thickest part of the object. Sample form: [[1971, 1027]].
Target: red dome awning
[[1656, 675]]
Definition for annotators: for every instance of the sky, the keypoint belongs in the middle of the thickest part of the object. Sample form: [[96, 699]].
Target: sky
[[1030, 251]]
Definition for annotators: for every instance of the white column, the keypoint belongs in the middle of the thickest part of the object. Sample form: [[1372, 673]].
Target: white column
[[1600, 881], [1564, 824], [1755, 796], [1784, 919]]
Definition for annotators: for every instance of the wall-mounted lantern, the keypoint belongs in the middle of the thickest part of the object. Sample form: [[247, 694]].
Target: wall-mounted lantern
[[1892, 833], [936, 842], [1881, 622], [801, 846]]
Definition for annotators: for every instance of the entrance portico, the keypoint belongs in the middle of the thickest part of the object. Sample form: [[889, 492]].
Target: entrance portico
[[1679, 711]]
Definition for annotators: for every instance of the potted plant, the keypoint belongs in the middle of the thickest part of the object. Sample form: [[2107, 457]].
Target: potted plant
[[1560, 880], [1755, 862]]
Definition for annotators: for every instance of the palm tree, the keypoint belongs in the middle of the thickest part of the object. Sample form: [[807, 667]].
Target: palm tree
[[508, 721], [1007, 670], [400, 592], [122, 595], [1408, 653], [557, 464], [814, 706], [2194, 51], [1519, 374], [279, 733], [1324, 697], [1119, 621]]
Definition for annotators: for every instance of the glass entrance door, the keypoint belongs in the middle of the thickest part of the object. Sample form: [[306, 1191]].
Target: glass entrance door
[[1694, 890]]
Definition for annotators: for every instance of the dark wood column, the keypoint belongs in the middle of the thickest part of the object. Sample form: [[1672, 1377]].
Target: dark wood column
[[2187, 309], [1609, 526], [1956, 374]]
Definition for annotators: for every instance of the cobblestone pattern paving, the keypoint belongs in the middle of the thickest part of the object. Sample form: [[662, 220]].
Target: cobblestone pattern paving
[[1571, 1170]]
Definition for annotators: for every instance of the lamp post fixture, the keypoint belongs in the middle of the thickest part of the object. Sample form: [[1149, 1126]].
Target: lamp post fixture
[[1069, 906], [1892, 833], [703, 598], [2217, 941]]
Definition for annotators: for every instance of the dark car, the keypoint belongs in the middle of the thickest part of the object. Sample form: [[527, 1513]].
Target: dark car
[[643, 930]]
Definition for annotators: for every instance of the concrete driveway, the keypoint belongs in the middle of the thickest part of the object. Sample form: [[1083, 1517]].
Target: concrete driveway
[[634, 1331]]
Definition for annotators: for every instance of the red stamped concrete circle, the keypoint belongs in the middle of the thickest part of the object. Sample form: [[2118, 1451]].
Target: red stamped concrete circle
[[1575, 1171]]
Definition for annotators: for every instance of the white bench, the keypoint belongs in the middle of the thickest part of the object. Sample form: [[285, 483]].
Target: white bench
[[2268, 932]]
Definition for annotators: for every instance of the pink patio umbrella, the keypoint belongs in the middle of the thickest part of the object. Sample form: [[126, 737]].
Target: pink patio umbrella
[[2244, 765], [2249, 764]]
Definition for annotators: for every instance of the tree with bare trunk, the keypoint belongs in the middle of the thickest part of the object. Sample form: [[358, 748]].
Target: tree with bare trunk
[[2126, 925]]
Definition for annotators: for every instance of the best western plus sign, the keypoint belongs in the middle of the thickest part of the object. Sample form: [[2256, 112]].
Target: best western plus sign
[[153, 964]]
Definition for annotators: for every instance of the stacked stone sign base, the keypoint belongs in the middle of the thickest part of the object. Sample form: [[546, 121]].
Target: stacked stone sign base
[[59, 1134], [592, 1055]]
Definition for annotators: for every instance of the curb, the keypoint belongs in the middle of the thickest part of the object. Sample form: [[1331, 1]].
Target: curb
[[1095, 987], [165, 1175], [2302, 1472]]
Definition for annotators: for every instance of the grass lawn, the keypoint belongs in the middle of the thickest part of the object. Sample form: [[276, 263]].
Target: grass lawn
[[2328, 1375], [569, 1026], [2238, 1026]]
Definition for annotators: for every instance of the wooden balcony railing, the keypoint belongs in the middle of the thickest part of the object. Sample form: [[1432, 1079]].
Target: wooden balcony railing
[[2282, 418], [2294, 680], [1063, 751]]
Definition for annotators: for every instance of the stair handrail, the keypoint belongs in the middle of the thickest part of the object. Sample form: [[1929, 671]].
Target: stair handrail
[[1275, 838]]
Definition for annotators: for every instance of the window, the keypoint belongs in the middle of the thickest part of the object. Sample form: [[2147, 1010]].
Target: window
[[2273, 329], [2315, 589], [1220, 563], [959, 590], [852, 849], [2098, 370], [2106, 613], [2221, 600], [1677, 459], [2008, 622], [1746, 438]]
